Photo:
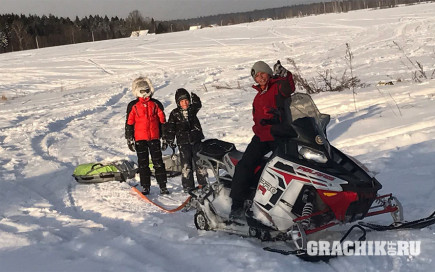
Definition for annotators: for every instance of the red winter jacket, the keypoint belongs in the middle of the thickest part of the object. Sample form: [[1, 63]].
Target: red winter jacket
[[146, 116], [278, 88]]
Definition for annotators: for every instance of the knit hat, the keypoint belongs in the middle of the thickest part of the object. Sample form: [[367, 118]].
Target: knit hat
[[142, 87], [181, 94], [261, 66]]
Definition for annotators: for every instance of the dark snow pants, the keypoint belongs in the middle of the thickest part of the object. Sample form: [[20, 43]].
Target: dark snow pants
[[189, 159], [244, 172], [143, 150]]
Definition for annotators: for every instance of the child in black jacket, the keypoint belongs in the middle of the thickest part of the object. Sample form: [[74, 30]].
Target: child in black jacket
[[184, 125]]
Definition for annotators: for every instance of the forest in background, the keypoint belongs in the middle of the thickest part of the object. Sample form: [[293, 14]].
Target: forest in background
[[23, 32]]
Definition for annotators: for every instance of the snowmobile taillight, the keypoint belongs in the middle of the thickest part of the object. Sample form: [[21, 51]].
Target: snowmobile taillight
[[311, 154]]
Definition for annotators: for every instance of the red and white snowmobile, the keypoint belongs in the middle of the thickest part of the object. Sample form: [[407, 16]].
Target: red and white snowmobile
[[305, 186]]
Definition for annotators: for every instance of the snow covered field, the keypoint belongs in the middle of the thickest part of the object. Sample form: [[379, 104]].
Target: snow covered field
[[66, 106]]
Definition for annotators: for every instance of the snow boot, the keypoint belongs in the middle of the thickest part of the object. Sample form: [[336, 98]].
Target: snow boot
[[145, 181], [164, 191], [146, 191], [237, 211]]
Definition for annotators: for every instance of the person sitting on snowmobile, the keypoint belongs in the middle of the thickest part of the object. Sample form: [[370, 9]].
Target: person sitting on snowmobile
[[267, 106], [184, 125], [142, 131]]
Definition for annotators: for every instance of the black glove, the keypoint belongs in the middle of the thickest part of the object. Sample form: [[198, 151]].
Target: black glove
[[130, 143], [164, 145], [265, 122], [276, 119], [279, 70], [194, 98]]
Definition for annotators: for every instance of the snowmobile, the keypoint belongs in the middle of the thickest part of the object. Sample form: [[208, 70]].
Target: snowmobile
[[305, 186]]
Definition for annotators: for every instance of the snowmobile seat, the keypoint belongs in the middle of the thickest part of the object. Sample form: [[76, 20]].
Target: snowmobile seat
[[236, 155], [215, 148]]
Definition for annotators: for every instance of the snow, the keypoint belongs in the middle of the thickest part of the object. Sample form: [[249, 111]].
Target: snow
[[66, 106]]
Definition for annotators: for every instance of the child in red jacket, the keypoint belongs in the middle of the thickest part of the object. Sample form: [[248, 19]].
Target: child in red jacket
[[145, 116]]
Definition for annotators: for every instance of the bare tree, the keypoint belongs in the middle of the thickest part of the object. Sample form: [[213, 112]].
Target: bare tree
[[325, 82], [3, 40], [135, 20], [19, 30], [349, 58], [419, 72]]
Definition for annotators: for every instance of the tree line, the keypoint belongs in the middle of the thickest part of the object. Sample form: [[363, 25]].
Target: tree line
[[21, 32]]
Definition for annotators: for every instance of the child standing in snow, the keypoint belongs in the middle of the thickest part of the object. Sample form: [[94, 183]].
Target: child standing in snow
[[184, 125], [145, 116]]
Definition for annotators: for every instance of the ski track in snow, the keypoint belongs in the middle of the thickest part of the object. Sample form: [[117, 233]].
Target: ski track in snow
[[66, 106]]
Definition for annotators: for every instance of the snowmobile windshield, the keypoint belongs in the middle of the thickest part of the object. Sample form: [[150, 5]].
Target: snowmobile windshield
[[302, 122], [308, 122], [303, 106]]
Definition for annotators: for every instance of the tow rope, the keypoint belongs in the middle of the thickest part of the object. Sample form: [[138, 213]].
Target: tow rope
[[134, 189]]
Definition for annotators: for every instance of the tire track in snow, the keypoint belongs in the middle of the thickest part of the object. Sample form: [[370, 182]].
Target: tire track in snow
[[59, 125], [101, 67], [47, 215], [427, 126], [41, 184]]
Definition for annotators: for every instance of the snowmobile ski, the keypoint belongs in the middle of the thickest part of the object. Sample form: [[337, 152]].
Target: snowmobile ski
[[301, 254], [416, 224]]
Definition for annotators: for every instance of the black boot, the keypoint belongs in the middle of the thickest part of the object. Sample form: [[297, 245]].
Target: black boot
[[146, 191], [164, 191], [145, 181], [161, 180], [237, 210]]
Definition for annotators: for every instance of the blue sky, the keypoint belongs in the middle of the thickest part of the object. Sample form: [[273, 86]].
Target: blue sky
[[158, 9]]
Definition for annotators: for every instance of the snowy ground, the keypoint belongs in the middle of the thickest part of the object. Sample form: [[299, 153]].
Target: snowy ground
[[66, 106]]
